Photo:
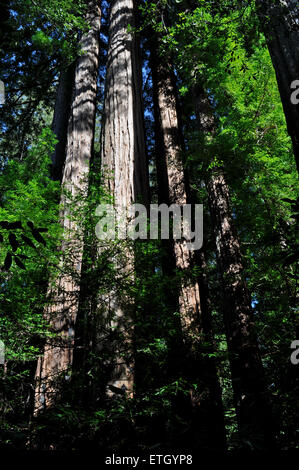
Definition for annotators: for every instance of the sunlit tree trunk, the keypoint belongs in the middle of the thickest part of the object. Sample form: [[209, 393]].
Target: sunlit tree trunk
[[280, 23], [64, 291], [124, 168], [61, 119], [171, 180], [250, 394], [195, 327]]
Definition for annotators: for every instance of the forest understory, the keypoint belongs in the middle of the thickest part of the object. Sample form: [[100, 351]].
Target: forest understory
[[149, 158]]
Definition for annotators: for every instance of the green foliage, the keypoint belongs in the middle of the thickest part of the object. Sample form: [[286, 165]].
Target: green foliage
[[219, 46], [30, 231]]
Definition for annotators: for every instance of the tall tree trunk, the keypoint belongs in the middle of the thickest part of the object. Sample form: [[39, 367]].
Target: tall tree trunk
[[250, 394], [58, 353], [61, 119], [124, 166], [207, 421], [280, 23], [171, 184]]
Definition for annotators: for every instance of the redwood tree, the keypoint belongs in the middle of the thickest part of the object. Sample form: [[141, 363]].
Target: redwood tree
[[250, 394], [280, 23], [63, 292], [206, 414], [124, 168], [61, 119]]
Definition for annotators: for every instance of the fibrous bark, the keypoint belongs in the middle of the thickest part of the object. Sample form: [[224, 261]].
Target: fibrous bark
[[206, 417], [123, 160], [250, 394], [171, 184], [58, 352], [61, 119]]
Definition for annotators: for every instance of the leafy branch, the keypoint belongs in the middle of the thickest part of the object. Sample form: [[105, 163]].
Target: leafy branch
[[17, 237]]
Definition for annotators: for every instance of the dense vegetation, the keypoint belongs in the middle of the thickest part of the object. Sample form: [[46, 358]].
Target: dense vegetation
[[101, 352]]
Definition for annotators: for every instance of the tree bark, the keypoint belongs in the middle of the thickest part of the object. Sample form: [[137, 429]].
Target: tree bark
[[124, 167], [280, 22], [57, 359], [207, 421], [250, 394], [61, 119], [171, 184]]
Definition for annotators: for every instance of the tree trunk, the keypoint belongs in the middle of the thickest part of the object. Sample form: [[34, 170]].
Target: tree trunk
[[280, 23], [61, 119], [171, 181], [250, 394], [124, 166], [53, 366], [207, 421]]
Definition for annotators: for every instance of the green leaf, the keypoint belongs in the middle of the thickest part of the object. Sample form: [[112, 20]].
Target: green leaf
[[4, 224], [8, 261], [14, 225], [19, 263], [38, 237], [13, 241], [28, 241]]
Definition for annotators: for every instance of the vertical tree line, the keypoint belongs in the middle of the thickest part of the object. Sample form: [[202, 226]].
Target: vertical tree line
[[171, 117], [62, 313]]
